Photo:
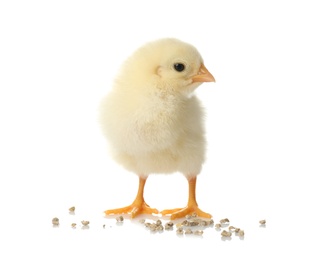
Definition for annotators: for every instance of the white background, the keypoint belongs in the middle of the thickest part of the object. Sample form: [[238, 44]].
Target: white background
[[58, 59]]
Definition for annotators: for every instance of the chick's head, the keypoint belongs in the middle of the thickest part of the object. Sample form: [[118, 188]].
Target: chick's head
[[170, 64], [181, 66]]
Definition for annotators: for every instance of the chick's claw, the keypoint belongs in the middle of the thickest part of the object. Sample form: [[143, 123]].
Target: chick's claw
[[170, 211], [181, 213], [143, 209], [134, 210]]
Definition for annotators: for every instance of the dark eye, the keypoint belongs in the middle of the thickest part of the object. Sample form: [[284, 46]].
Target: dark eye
[[179, 67]]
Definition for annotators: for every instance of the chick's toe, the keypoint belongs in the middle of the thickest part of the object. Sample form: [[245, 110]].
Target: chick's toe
[[188, 210], [135, 209]]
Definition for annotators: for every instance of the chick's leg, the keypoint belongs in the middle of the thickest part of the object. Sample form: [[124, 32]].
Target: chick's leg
[[192, 206], [139, 206]]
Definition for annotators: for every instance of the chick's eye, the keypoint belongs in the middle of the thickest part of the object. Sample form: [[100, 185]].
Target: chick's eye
[[179, 67]]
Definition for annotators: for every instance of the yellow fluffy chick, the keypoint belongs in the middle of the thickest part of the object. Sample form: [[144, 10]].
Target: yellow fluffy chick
[[154, 123]]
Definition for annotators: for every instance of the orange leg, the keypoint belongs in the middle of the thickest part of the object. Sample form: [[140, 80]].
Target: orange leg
[[138, 206], [192, 206]]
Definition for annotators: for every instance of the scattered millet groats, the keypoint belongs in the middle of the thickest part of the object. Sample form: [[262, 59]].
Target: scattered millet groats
[[180, 231], [184, 227], [159, 228], [198, 232], [169, 225], [234, 229], [71, 209], [262, 222], [188, 231], [231, 228], [226, 233], [120, 219], [155, 226], [55, 221], [193, 220], [237, 230], [85, 222], [241, 233], [224, 221], [190, 222], [218, 226]]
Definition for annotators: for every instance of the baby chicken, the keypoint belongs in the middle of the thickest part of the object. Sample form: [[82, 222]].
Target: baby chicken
[[154, 123]]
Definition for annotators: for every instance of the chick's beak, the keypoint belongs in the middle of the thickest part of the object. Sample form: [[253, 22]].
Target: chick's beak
[[203, 75]]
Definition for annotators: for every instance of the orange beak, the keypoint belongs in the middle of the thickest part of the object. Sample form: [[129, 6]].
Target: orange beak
[[203, 76]]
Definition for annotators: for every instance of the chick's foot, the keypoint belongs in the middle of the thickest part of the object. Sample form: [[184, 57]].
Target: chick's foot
[[192, 206], [135, 209], [182, 212]]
